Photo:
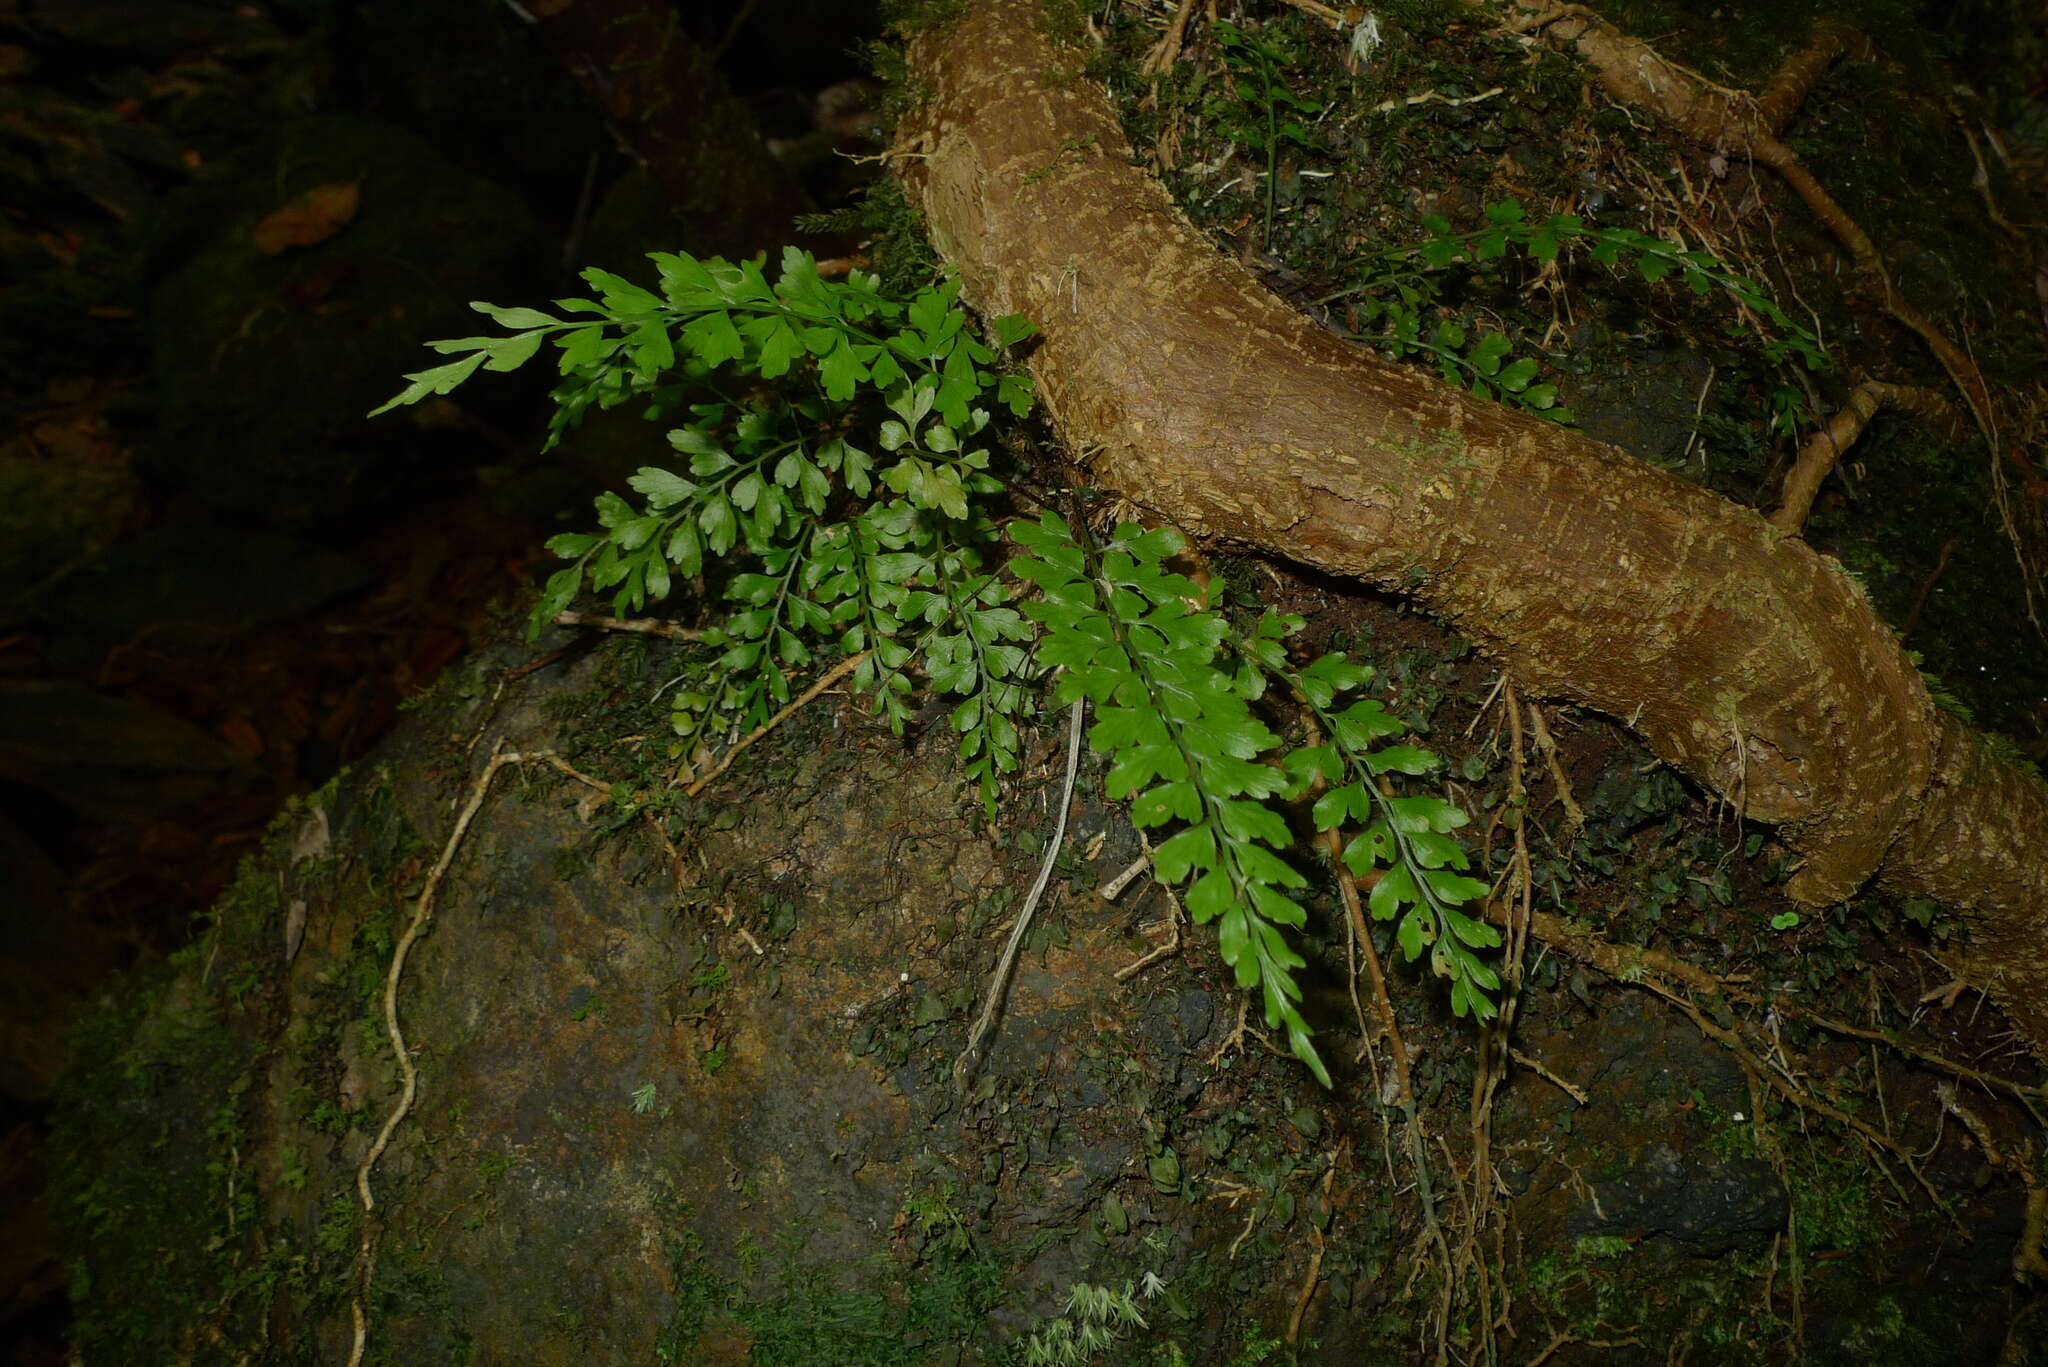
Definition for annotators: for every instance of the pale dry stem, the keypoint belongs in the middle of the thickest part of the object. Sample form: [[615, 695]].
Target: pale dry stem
[[422, 912], [825, 681]]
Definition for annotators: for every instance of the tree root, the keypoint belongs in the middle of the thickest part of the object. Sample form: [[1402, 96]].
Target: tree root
[[1818, 457], [1730, 121], [409, 1073]]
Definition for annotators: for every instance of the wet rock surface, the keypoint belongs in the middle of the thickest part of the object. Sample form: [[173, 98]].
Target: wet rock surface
[[688, 1097]]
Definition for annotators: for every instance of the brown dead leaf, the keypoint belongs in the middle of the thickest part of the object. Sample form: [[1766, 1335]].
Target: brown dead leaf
[[313, 217], [241, 734]]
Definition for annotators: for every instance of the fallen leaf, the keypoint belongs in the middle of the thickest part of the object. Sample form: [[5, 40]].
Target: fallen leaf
[[313, 217], [241, 734]]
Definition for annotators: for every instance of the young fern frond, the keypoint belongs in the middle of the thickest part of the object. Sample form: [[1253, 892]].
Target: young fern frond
[[1403, 300]]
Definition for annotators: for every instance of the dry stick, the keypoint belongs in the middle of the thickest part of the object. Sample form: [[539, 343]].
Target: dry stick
[[1315, 1262], [969, 1061], [825, 681], [650, 626], [366, 1251], [1821, 452], [1912, 618]]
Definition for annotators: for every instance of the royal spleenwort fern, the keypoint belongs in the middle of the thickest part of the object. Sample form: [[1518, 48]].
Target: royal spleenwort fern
[[1131, 637], [876, 550], [1404, 850], [829, 486]]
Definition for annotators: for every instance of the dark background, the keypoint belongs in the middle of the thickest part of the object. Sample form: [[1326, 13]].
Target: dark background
[[221, 582]]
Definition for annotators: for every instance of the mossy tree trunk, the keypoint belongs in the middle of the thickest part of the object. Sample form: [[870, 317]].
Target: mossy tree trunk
[[1741, 655]]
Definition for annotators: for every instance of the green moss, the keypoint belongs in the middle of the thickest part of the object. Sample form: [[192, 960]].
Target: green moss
[[799, 1314], [169, 1189], [152, 1208]]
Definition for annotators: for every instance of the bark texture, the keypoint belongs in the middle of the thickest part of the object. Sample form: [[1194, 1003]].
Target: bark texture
[[1740, 654]]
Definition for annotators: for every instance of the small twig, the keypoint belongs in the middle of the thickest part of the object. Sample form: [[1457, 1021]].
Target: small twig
[[651, 626], [1315, 1264], [969, 1061], [1115, 885], [825, 681], [1552, 1078]]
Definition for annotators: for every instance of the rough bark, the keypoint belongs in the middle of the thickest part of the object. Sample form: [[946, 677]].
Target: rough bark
[[1741, 655]]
